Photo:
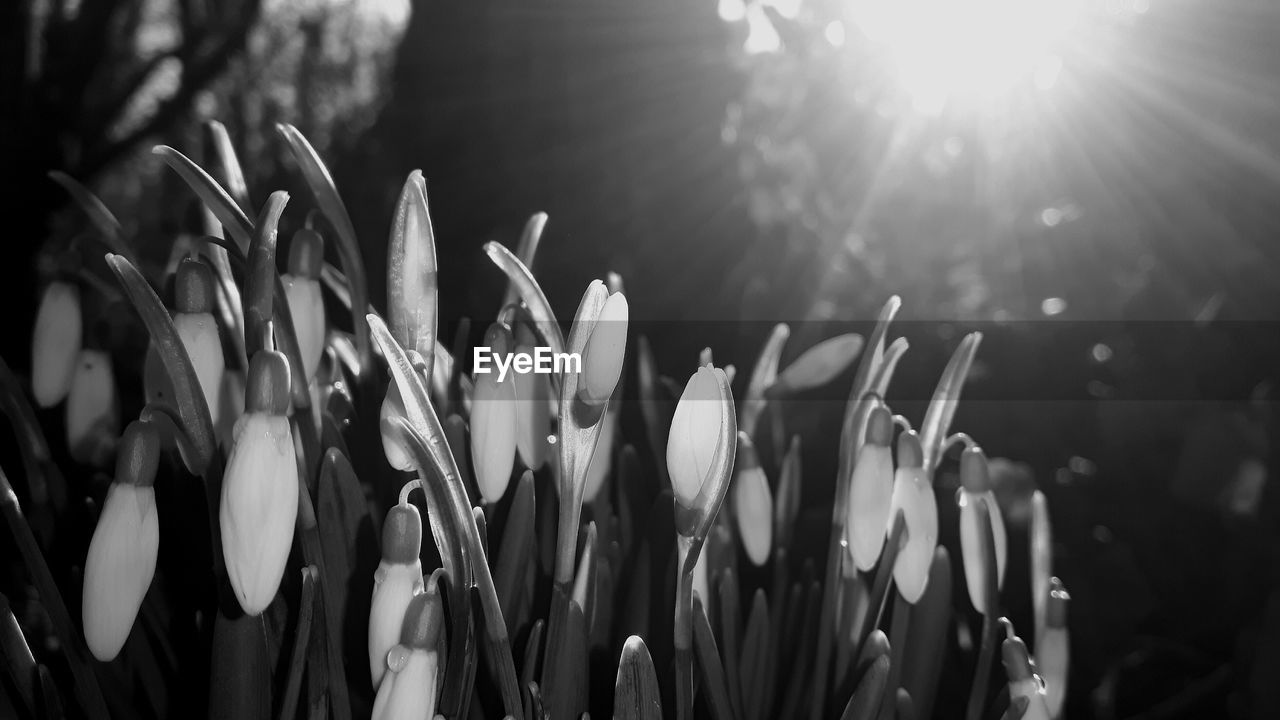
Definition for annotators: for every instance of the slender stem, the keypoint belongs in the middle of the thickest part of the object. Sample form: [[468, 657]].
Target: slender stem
[[982, 676], [688, 557]]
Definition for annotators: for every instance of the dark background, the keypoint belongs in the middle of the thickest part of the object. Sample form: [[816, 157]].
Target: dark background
[[746, 189]]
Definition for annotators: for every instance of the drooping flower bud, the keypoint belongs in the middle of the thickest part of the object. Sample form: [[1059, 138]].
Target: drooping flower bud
[[55, 343], [408, 691], [752, 502], [533, 417], [195, 297], [871, 492], [913, 495], [393, 406], [602, 357], [93, 414], [122, 553], [493, 422], [695, 431], [260, 487], [397, 579], [1053, 649], [1041, 562], [1023, 682], [302, 290], [975, 482]]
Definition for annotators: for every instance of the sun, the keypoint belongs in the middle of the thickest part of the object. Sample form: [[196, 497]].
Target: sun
[[944, 51]]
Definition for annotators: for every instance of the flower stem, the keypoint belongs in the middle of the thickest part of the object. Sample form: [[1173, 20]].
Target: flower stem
[[688, 551]]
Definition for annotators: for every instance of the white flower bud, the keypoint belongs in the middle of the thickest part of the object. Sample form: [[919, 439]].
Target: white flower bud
[[871, 493], [695, 432], [122, 554], [55, 343], [260, 487], [397, 579], [93, 416], [605, 350]]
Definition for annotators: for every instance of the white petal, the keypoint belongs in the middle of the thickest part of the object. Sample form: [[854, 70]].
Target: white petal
[[753, 510], [409, 694], [119, 567], [55, 343], [92, 415], [307, 310], [259, 507], [199, 334], [870, 493], [394, 585]]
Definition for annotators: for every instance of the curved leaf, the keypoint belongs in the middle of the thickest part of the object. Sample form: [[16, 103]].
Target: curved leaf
[[526, 250], [192, 408], [102, 218], [232, 173], [535, 300], [942, 408], [212, 194], [763, 375], [260, 279], [326, 196]]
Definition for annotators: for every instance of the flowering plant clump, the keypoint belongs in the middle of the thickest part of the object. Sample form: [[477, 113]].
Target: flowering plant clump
[[544, 570]]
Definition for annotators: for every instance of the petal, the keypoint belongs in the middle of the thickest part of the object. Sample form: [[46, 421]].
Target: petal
[[307, 310], [395, 584], [493, 434], [753, 510], [870, 494], [55, 343], [602, 357], [92, 415], [119, 567], [199, 335]]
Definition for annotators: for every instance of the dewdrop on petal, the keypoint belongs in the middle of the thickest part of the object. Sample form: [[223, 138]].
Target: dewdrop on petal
[[408, 691], [93, 415], [752, 502], [393, 406], [975, 482], [871, 492], [1023, 682], [397, 579], [493, 422], [55, 343], [1053, 649], [260, 487], [194, 291], [122, 553], [302, 289], [695, 432], [913, 495], [603, 355]]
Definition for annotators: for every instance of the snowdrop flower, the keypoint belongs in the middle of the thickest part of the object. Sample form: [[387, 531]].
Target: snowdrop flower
[[975, 483], [122, 553], [533, 418], [752, 502], [302, 289], [260, 487], [93, 415], [695, 432], [397, 579], [913, 495], [871, 492], [493, 422], [198, 331], [408, 691], [606, 347], [393, 406], [55, 343]]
